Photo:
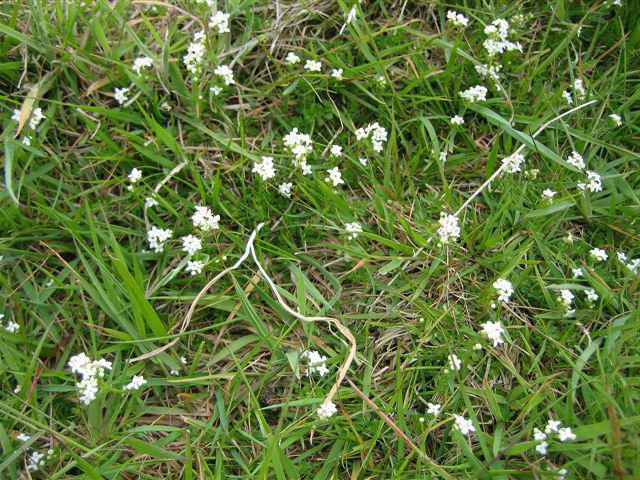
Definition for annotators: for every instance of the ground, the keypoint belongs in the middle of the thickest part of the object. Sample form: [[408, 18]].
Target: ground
[[428, 295]]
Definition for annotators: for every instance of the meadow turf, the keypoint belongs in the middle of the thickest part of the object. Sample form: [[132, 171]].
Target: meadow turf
[[227, 393]]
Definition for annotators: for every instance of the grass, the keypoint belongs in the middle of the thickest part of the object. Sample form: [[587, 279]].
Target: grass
[[76, 277]]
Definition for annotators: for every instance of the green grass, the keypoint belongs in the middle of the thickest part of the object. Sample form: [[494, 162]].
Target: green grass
[[77, 276]]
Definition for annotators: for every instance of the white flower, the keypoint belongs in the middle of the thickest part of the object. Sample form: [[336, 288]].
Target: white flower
[[300, 144], [457, 19], [336, 150], [313, 66], [23, 437], [576, 160], [598, 254], [541, 448], [135, 175], [150, 202], [316, 363], [157, 237], [577, 272], [353, 229], [191, 244], [497, 41], [464, 425], [194, 267], [449, 229], [264, 169], [136, 382], [226, 73], [457, 120], [548, 194], [174, 372], [216, 90], [567, 96], [12, 327], [633, 265], [337, 73], [334, 176], [552, 426], [204, 219], [591, 294], [578, 88], [513, 163], [594, 183], [88, 371], [565, 434], [504, 288], [491, 71], [494, 331], [377, 134], [35, 461], [219, 21], [36, 118], [194, 57], [616, 119], [121, 95], [327, 410], [26, 140], [475, 94], [285, 189], [306, 169], [141, 63], [292, 58], [16, 115], [566, 298], [539, 435], [434, 409], [363, 161], [454, 362]]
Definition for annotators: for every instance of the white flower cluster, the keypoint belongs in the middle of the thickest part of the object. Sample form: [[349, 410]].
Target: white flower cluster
[[576, 160], [301, 145], [89, 372], [141, 63], [457, 120], [633, 264], [504, 288], [219, 21], [513, 163], [225, 73], [494, 331], [157, 237], [194, 57], [136, 382], [497, 42], [36, 117], [377, 134], [454, 362], [313, 66], [327, 410], [37, 459], [553, 426], [335, 177], [316, 363], [548, 194], [475, 94], [616, 119], [457, 19], [285, 189], [464, 425], [191, 245], [194, 267], [11, 326], [598, 254], [566, 299], [490, 71], [353, 229], [593, 183], [120, 94], [449, 229], [204, 219], [265, 168], [135, 175], [292, 58]]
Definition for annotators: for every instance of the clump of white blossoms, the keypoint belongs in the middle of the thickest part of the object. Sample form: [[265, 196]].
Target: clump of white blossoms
[[548, 194], [616, 119], [353, 229], [576, 160], [494, 331], [577, 272], [490, 71], [301, 145], [593, 184], [136, 382], [336, 150], [337, 73], [454, 362], [141, 63], [150, 202], [475, 94], [292, 58], [578, 88], [37, 459], [327, 410], [374, 131], [335, 177], [265, 168], [316, 363], [313, 66], [121, 95], [191, 244], [219, 21], [591, 294], [567, 97], [194, 267], [135, 175], [194, 57], [89, 372], [434, 409], [36, 117], [457, 19], [464, 425], [157, 237], [633, 265], [457, 120], [504, 288], [598, 254], [449, 230], [566, 299], [513, 163], [553, 426], [204, 219], [11, 326], [226, 73], [497, 41], [285, 189]]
